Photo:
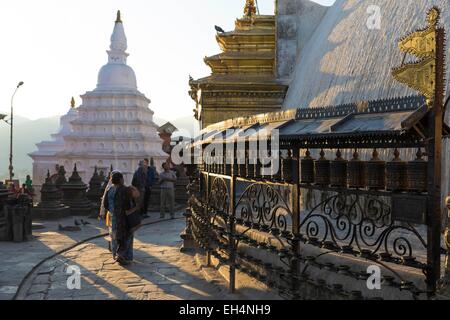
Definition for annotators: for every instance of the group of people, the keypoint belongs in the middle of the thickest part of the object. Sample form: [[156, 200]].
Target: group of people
[[124, 207], [27, 188]]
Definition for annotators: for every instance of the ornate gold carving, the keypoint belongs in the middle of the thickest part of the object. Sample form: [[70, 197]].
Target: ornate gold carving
[[420, 76], [433, 16], [243, 79], [421, 43], [250, 8], [72, 102]]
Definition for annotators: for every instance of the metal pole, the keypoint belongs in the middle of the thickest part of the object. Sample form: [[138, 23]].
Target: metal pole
[[295, 263], [434, 170], [11, 123], [231, 238]]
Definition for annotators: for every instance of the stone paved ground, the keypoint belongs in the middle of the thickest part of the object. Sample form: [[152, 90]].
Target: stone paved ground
[[160, 271], [17, 259]]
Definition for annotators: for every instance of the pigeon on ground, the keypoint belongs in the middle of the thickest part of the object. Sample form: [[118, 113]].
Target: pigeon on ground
[[85, 223], [69, 228], [77, 223], [219, 29]]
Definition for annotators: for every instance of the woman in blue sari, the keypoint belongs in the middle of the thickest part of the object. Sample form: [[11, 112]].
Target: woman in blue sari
[[118, 202]]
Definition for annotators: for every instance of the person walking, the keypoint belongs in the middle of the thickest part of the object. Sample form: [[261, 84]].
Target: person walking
[[119, 204], [105, 215], [167, 179], [140, 182], [150, 181], [29, 184]]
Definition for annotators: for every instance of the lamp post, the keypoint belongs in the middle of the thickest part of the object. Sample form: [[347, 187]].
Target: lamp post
[[11, 124]]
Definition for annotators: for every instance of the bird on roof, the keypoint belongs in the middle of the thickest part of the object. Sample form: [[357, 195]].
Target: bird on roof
[[219, 29]]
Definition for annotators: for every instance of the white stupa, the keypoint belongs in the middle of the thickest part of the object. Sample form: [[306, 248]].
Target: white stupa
[[46, 157], [113, 125]]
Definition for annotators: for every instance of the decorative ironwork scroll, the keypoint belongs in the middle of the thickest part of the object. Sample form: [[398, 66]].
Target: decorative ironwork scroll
[[219, 196], [262, 207], [356, 224]]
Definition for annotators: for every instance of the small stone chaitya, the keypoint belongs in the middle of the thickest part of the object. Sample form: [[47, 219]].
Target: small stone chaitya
[[75, 195], [50, 206]]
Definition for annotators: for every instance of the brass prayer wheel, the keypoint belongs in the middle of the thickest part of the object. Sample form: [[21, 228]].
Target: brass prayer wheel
[[376, 172], [295, 170], [235, 171], [418, 173], [276, 176], [338, 171], [258, 171], [241, 164], [356, 172], [250, 170], [287, 168], [214, 165], [242, 170], [208, 164], [323, 170], [228, 169], [251, 165], [221, 165], [397, 173], [307, 169]]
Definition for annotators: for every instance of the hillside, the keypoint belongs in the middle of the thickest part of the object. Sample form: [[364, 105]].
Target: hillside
[[26, 134], [29, 132]]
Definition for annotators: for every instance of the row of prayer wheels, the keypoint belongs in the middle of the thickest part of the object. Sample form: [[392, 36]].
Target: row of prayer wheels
[[396, 175], [288, 169], [375, 174]]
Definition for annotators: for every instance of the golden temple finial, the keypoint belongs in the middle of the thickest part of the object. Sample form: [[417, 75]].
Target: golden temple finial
[[119, 19], [72, 102], [250, 8], [427, 47], [433, 16]]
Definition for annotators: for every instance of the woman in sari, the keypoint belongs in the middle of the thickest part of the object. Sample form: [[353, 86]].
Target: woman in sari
[[119, 203]]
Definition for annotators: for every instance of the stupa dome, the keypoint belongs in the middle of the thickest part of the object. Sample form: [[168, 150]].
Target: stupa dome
[[116, 77], [116, 74]]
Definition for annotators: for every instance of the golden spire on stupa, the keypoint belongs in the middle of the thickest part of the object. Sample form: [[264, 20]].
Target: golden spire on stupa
[[119, 18], [72, 102]]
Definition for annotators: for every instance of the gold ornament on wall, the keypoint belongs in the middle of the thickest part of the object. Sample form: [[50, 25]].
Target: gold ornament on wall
[[250, 8], [421, 75]]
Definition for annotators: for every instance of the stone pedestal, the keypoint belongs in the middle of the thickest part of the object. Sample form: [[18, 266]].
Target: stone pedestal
[[18, 224], [4, 225], [50, 206], [181, 193], [95, 193], [75, 197]]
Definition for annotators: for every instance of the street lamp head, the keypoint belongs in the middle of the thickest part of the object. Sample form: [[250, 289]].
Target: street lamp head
[[20, 84]]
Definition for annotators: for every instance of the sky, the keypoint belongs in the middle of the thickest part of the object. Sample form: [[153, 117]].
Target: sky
[[57, 48]]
